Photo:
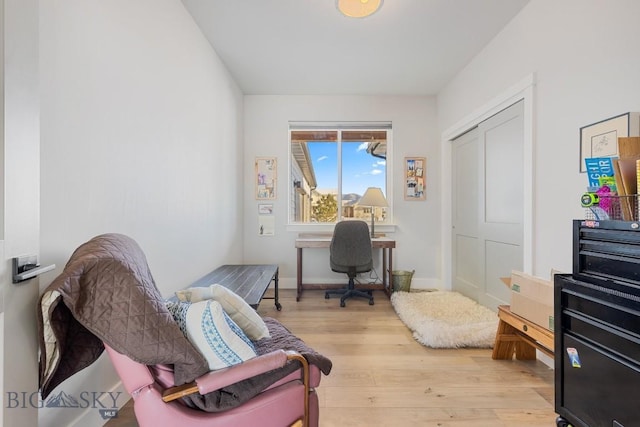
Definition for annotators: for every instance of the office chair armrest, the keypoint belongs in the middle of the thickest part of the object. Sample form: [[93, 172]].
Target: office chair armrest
[[218, 379]]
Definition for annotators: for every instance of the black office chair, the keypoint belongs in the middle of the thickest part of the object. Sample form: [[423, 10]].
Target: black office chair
[[350, 252]]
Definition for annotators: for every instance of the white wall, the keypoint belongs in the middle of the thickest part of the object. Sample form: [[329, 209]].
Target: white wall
[[584, 57], [414, 134], [141, 135]]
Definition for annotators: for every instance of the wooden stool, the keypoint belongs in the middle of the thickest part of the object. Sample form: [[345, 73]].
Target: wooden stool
[[520, 336]]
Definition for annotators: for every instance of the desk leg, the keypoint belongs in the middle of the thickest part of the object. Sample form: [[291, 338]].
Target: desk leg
[[389, 274], [384, 270], [299, 275]]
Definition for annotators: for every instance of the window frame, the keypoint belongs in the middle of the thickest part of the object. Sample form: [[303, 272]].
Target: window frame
[[339, 127]]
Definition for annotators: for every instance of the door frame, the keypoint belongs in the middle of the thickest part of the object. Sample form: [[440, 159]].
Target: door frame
[[523, 90]]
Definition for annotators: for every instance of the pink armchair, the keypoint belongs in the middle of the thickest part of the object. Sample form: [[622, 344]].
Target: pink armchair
[[106, 298], [290, 401]]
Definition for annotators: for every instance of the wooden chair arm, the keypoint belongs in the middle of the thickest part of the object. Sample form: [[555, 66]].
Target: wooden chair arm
[[215, 380], [220, 378]]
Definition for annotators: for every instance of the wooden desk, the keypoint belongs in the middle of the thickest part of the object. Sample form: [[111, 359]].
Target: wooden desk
[[324, 240], [520, 336], [248, 281]]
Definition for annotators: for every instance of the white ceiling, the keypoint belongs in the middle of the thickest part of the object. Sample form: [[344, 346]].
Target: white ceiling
[[306, 47]]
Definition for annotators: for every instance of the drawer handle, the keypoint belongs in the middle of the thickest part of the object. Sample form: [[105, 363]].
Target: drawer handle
[[525, 328]]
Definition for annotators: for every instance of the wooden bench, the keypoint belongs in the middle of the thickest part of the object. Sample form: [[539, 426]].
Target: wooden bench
[[520, 336], [248, 281]]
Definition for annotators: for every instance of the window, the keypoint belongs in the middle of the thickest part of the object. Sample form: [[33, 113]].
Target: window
[[332, 166]]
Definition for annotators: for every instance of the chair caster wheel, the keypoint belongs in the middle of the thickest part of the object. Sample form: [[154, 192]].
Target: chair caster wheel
[[370, 302], [326, 296], [342, 304]]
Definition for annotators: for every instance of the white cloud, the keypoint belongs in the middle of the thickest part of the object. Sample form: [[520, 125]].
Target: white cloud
[[321, 158], [381, 162], [376, 172], [363, 146]]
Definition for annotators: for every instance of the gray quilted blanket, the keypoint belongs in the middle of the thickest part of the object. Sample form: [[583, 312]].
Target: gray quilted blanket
[[106, 294]]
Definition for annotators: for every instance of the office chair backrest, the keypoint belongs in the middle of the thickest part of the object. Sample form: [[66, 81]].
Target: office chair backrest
[[351, 246]]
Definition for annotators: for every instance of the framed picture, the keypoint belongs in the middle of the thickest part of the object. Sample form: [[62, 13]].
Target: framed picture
[[265, 209], [601, 139], [266, 178], [415, 174], [266, 225]]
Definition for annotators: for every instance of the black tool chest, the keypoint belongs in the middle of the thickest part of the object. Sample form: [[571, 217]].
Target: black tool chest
[[597, 328]]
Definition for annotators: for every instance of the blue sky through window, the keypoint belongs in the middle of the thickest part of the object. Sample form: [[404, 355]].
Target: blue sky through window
[[360, 169]]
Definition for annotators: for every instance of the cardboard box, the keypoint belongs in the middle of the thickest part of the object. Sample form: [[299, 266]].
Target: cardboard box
[[532, 298]]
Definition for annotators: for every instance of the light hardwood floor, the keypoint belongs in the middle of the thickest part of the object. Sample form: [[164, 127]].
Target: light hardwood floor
[[382, 377]]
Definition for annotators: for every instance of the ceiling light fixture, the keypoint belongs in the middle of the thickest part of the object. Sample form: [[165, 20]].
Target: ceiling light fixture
[[358, 8]]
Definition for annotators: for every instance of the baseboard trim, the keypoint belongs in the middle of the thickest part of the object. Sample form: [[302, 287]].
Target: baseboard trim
[[416, 282], [90, 417]]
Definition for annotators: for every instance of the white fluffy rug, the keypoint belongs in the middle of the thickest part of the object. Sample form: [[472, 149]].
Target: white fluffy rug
[[442, 319]]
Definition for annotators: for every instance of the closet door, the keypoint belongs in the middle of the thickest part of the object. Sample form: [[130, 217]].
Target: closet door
[[466, 270], [496, 210]]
